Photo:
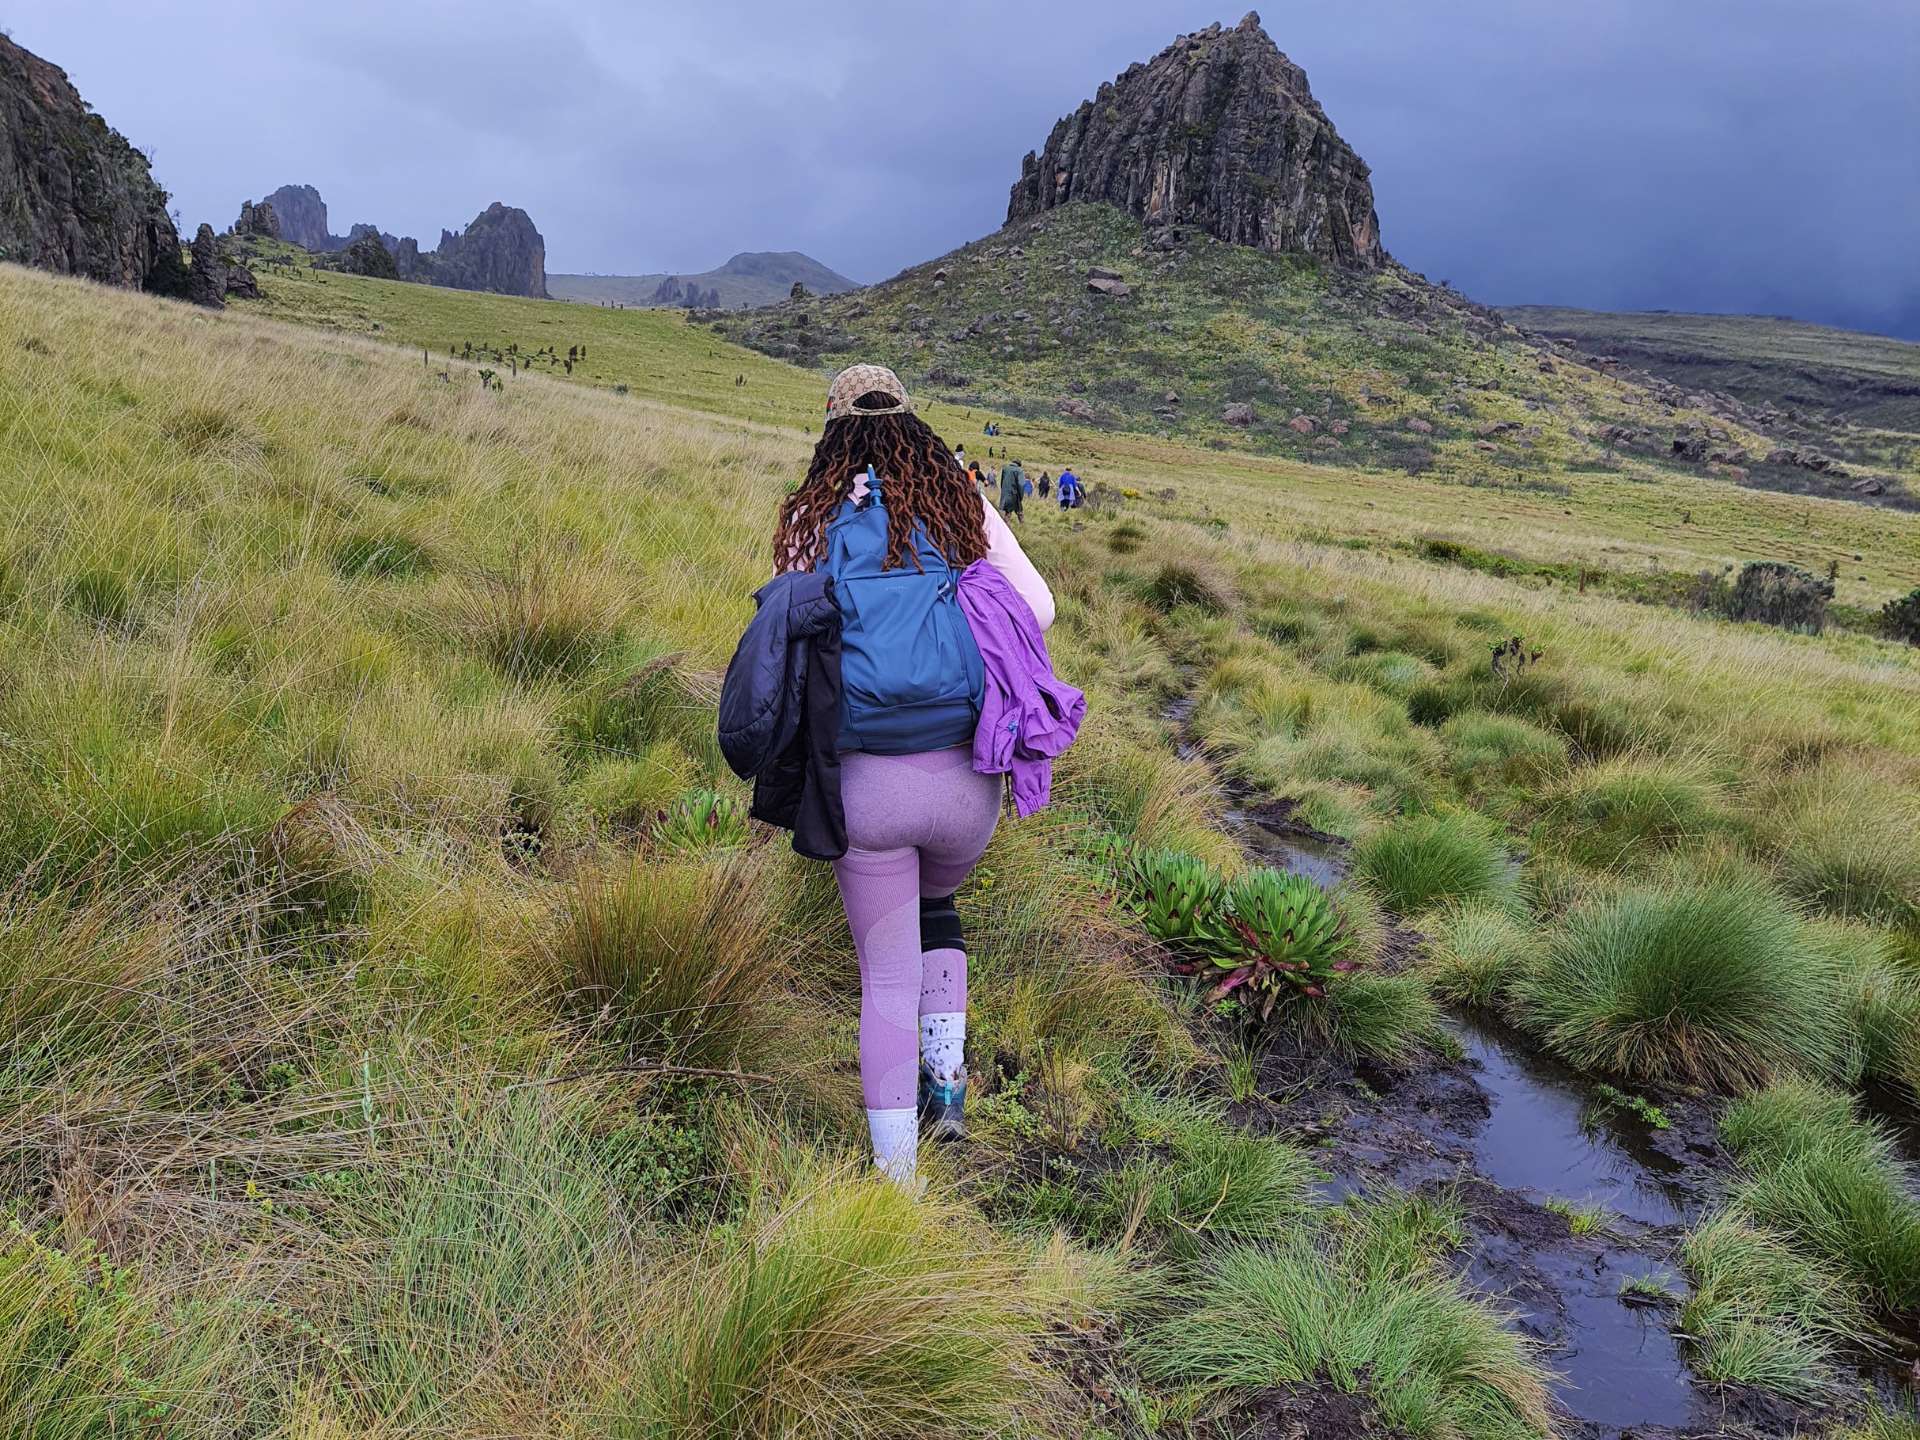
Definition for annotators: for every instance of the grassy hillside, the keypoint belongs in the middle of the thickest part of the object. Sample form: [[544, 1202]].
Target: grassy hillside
[[1358, 370], [1631, 527], [394, 1048], [758, 277], [1867, 379]]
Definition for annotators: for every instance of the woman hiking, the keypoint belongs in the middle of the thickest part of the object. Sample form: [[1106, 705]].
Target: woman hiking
[[917, 564]]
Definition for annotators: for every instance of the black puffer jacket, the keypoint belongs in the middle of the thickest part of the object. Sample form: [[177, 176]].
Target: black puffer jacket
[[780, 712]]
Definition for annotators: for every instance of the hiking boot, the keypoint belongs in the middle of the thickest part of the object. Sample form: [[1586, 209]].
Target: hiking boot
[[941, 1108]]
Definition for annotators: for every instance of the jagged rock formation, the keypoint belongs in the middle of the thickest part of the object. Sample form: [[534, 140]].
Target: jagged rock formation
[[75, 196], [261, 220], [303, 218], [500, 251], [368, 255], [1218, 131], [207, 283], [675, 291]]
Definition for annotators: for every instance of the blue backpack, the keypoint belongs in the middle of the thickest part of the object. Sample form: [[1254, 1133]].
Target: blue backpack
[[910, 673]]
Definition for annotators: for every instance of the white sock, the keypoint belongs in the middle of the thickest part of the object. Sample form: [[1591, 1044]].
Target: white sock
[[896, 1143], [943, 1044]]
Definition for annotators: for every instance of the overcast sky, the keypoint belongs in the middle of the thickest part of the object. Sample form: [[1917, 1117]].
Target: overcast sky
[[1757, 155]]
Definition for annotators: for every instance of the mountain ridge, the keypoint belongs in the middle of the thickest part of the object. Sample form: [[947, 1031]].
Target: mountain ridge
[[747, 278]]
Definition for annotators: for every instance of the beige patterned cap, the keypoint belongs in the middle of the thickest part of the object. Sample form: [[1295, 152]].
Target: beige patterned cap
[[857, 380]]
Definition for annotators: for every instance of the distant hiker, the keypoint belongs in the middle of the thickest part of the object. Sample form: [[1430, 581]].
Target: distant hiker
[[1045, 484], [960, 457], [1013, 491], [1070, 491], [880, 740]]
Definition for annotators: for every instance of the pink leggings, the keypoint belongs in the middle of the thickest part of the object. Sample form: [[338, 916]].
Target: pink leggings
[[916, 824]]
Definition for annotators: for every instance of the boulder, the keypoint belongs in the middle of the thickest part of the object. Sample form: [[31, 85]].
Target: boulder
[[1115, 289], [1420, 426], [1240, 414], [1220, 131], [1100, 272], [1301, 425], [1074, 408], [1337, 427], [240, 281]]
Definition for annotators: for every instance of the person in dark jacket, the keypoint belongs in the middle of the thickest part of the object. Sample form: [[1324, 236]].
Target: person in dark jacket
[[780, 712]]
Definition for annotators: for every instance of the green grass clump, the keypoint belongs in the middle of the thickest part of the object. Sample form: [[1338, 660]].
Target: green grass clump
[[1426, 860], [678, 956], [1193, 583], [1486, 749], [850, 1310], [1882, 996], [372, 556], [1830, 1183], [1476, 952], [1763, 1314], [1385, 1017], [1364, 1305], [539, 617], [1628, 809], [1843, 840], [1694, 981]]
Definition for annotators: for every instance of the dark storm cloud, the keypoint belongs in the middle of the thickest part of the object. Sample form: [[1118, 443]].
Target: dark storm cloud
[[1713, 154]]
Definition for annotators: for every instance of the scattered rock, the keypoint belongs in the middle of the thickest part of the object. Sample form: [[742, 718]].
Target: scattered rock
[[1074, 408], [1100, 272], [1420, 426], [1240, 414], [1337, 427], [1301, 425], [1115, 289]]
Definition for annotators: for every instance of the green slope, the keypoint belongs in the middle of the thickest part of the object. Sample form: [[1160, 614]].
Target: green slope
[[753, 277]]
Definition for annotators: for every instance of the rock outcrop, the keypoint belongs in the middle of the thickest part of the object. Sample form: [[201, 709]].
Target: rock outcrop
[[303, 218], [207, 282], [75, 196], [686, 293], [368, 255], [500, 251], [1219, 131], [261, 220]]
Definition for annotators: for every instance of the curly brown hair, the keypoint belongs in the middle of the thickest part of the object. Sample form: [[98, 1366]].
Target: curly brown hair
[[923, 482]]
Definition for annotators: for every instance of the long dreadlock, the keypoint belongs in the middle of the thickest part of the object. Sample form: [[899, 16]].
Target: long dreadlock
[[922, 482]]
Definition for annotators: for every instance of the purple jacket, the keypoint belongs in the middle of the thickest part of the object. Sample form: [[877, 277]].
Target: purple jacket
[[1028, 715]]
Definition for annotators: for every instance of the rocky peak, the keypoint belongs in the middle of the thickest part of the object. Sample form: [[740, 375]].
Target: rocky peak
[[75, 196], [303, 217], [501, 250], [1220, 131]]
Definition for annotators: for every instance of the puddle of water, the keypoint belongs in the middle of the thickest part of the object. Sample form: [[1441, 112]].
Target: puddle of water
[[1617, 1364], [1541, 1138], [1321, 861]]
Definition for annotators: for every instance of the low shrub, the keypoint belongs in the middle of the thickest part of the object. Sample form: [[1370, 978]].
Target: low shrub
[[1771, 592], [1900, 619], [1762, 1314], [1692, 981], [1428, 859], [1830, 1182], [1363, 1305], [702, 820], [1293, 938]]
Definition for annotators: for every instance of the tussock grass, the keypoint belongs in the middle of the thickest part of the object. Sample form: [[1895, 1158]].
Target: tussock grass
[[1623, 812], [1190, 582], [1695, 980], [674, 955], [1476, 952], [1830, 1183], [1763, 1314], [848, 1310], [1425, 860], [1486, 749], [1843, 839], [1366, 1307], [542, 615]]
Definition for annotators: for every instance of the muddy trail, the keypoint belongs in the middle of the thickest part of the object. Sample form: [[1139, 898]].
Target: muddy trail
[[1576, 1202]]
